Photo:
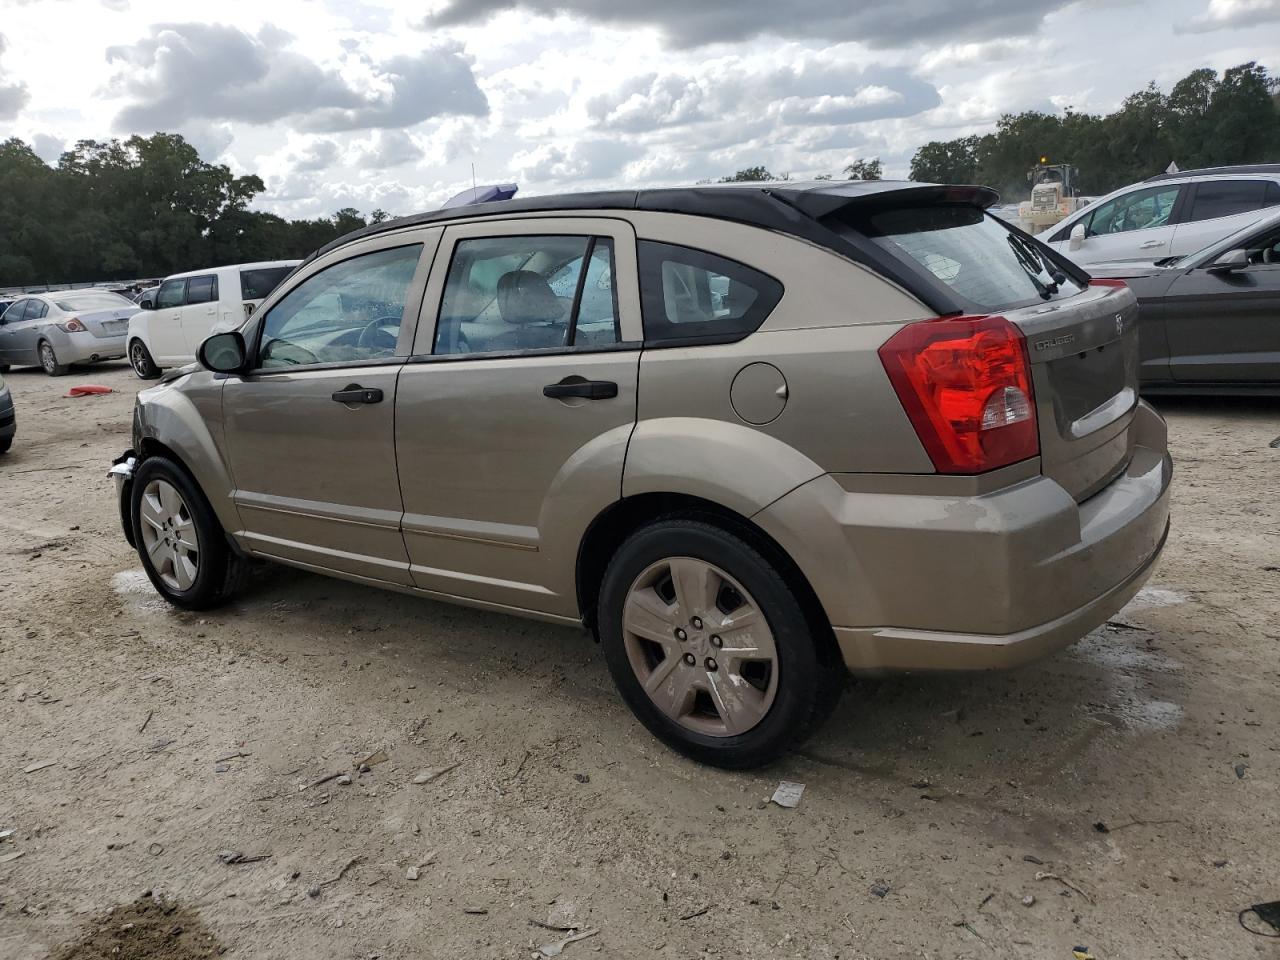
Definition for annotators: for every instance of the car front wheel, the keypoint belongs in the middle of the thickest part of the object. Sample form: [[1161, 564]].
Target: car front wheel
[[710, 647], [182, 545]]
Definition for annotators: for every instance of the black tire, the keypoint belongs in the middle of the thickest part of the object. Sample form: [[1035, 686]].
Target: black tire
[[49, 360], [219, 572], [4, 368], [810, 673], [6, 443], [144, 365]]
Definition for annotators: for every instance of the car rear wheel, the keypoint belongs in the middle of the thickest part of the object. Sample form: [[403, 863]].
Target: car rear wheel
[[49, 360], [140, 359], [710, 647], [183, 548]]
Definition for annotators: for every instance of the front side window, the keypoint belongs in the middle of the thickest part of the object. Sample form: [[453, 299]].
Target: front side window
[[172, 293], [346, 313], [1226, 198], [694, 296], [1139, 210], [202, 289], [15, 311], [512, 294]]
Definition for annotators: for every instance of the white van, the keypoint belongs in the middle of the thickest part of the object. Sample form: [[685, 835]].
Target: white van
[[187, 307]]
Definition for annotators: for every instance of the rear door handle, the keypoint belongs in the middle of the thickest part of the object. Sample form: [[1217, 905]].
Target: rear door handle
[[577, 387], [354, 393]]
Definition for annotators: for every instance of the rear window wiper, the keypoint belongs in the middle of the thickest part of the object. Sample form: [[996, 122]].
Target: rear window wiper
[[1031, 261]]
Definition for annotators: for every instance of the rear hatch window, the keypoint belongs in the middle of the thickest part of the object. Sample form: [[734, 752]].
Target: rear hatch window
[[258, 283], [981, 260]]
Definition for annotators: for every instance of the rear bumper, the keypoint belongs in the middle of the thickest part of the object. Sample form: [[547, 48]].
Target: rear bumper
[[949, 581], [85, 347]]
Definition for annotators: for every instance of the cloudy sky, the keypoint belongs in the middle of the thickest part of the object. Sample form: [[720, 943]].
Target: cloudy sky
[[365, 103]]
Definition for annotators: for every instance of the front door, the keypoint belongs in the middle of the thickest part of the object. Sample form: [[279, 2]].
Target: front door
[[309, 431], [1225, 326], [164, 326], [512, 419]]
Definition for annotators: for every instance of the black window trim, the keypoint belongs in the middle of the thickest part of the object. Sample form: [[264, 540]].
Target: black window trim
[[572, 332], [260, 321], [704, 339]]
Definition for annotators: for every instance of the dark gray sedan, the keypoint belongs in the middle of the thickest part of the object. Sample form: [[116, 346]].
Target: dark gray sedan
[[1210, 321]]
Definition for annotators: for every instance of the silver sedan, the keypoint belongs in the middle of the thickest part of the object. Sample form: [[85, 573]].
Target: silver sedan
[[55, 330]]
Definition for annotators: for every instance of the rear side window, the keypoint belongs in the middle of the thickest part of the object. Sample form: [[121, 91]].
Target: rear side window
[[975, 255], [257, 284], [1225, 198], [514, 294], [690, 295], [202, 289]]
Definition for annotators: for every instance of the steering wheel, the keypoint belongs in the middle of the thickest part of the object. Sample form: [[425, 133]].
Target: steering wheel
[[375, 336]]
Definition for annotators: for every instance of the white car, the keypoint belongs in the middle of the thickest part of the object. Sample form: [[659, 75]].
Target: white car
[[186, 308], [1170, 215]]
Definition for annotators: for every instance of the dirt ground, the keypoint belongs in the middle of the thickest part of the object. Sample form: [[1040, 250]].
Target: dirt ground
[[1131, 784]]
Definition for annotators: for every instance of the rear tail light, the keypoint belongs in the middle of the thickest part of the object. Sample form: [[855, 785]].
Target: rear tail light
[[72, 325], [965, 384], [1107, 283]]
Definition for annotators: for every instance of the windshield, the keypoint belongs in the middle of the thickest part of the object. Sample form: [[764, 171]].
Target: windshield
[[971, 252], [93, 300]]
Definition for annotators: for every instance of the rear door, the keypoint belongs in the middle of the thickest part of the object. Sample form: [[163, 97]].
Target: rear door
[[199, 312], [513, 416], [164, 326], [1224, 327], [1218, 208]]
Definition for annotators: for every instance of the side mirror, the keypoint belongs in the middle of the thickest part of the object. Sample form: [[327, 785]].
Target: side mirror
[[223, 353], [147, 303], [1077, 236], [1230, 262]]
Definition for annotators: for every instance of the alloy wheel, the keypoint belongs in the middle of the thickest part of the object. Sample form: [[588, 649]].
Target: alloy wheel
[[138, 357], [700, 647], [169, 535], [47, 358]]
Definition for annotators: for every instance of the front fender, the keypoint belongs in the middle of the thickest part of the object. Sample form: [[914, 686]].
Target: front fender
[[184, 415], [736, 466]]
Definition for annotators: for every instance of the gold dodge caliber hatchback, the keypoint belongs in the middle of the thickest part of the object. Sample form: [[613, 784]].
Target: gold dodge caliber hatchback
[[749, 435]]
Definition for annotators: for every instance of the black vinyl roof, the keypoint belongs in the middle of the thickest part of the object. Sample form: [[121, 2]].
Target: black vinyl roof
[[799, 208], [1218, 171]]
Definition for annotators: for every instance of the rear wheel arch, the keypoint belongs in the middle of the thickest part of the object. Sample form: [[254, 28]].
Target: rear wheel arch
[[624, 517]]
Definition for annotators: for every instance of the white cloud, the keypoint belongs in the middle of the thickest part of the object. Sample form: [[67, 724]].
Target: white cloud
[[13, 94], [1231, 14]]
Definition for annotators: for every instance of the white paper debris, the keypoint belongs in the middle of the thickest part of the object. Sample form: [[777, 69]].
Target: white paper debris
[[788, 794]]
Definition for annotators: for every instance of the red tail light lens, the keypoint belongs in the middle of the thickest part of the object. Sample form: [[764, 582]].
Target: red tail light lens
[[1107, 283], [965, 384], [72, 325]]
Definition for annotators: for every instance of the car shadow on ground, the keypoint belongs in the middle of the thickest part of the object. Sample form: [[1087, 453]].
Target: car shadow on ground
[[1027, 727]]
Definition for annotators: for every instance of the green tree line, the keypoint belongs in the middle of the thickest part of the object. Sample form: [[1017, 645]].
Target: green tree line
[[1204, 121], [141, 207]]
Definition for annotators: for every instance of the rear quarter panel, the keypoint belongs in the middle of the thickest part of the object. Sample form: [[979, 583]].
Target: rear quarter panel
[[840, 412]]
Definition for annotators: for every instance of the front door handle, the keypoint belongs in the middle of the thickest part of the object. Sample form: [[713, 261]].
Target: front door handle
[[1152, 243], [577, 387], [354, 393]]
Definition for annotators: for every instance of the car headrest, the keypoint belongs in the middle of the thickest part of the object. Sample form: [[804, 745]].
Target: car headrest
[[526, 297]]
